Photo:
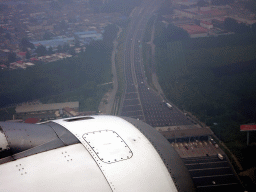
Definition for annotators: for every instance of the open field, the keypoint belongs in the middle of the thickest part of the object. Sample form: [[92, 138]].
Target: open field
[[216, 84]]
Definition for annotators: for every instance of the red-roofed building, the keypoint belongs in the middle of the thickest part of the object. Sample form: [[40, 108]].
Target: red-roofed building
[[212, 13], [33, 59], [206, 24], [200, 13], [32, 120], [220, 19], [3, 66], [22, 55], [185, 13], [195, 30]]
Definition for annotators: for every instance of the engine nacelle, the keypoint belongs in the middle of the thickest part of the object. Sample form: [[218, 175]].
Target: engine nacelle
[[89, 153]]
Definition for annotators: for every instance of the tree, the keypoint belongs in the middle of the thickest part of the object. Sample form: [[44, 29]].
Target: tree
[[59, 49], [63, 25], [72, 20], [166, 8], [197, 22], [250, 5], [3, 7], [121, 6], [54, 5], [222, 2], [110, 32], [66, 47], [8, 36], [77, 42], [65, 1], [254, 28], [230, 24], [11, 57], [24, 44], [72, 51], [47, 36], [41, 50], [95, 5], [28, 55], [169, 34], [202, 3], [50, 51]]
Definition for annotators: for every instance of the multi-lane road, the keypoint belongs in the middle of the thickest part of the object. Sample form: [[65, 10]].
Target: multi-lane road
[[140, 101]]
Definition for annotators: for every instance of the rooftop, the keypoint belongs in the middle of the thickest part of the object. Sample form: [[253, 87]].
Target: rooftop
[[45, 107], [194, 29]]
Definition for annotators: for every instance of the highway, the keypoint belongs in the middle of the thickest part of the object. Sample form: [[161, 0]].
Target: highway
[[140, 101]]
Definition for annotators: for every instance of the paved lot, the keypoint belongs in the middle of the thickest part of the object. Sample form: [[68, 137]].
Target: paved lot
[[196, 149], [210, 174]]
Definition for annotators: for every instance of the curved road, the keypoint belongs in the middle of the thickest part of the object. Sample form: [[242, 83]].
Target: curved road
[[140, 101]]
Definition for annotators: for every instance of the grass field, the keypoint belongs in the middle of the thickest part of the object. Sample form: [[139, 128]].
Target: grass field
[[219, 56], [216, 84]]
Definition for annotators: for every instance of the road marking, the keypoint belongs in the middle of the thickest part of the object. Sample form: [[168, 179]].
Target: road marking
[[131, 92], [213, 176], [131, 105], [205, 163], [131, 99], [209, 169], [132, 111], [137, 116], [217, 185]]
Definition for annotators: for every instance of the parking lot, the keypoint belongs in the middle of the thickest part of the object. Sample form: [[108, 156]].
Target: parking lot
[[208, 165], [196, 149]]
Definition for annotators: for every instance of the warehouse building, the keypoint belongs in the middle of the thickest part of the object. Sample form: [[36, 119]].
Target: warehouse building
[[45, 111]]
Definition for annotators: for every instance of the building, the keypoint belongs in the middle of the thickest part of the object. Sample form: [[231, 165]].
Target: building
[[44, 111], [21, 55], [69, 112], [55, 42], [185, 13], [87, 36], [195, 31], [201, 12], [206, 24]]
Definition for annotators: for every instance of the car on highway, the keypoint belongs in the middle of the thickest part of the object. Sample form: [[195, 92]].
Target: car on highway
[[169, 105], [220, 156]]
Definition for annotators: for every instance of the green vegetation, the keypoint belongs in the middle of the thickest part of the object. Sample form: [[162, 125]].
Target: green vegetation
[[165, 34], [221, 56], [250, 5], [148, 29], [146, 50], [147, 61], [215, 79], [6, 113], [119, 61], [222, 2], [71, 79], [120, 6]]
